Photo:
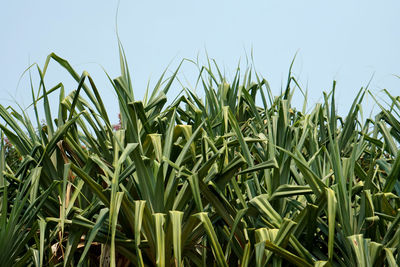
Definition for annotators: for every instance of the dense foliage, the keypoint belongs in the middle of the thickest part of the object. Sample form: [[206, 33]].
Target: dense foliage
[[196, 182]]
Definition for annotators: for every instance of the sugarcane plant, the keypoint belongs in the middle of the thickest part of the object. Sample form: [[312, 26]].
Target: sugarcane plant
[[238, 177]]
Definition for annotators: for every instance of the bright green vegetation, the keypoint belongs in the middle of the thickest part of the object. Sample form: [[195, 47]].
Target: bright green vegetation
[[217, 181]]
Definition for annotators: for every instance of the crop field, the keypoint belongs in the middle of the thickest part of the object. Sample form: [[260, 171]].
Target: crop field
[[237, 177]]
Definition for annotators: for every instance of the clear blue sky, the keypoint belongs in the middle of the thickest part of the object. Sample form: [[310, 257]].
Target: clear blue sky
[[348, 41]]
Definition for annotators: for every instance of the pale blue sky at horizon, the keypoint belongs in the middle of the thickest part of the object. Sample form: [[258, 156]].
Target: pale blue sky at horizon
[[346, 41]]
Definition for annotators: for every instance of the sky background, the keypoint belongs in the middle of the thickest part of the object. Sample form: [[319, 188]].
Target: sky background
[[347, 41]]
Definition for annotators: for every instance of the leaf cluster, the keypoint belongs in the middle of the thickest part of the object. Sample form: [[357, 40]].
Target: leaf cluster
[[218, 180]]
